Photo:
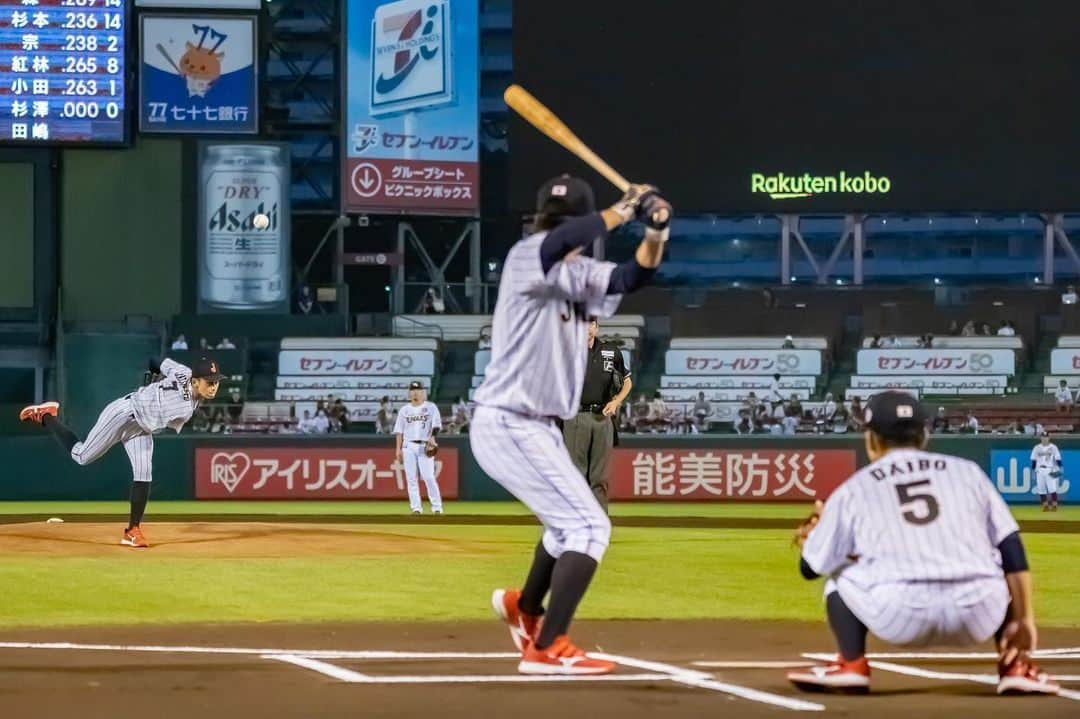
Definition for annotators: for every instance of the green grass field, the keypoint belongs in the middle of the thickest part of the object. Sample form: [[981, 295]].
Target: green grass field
[[648, 573]]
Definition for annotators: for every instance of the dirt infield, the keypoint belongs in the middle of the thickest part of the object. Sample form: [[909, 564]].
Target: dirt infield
[[465, 670], [205, 539]]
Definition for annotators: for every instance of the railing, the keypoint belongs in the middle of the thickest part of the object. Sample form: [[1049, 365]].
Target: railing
[[452, 294]]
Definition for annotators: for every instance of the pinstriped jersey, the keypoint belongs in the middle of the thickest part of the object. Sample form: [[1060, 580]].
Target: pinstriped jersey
[[415, 422], [1046, 456], [539, 335], [912, 516], [168, 402]]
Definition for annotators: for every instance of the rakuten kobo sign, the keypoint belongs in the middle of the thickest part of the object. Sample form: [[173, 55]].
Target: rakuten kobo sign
[[782, 475], [311, 473]]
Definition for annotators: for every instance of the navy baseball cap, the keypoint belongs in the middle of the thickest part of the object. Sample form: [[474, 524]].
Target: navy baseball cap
[[207, 369], [416, 385], [892, 413], [565, 195]]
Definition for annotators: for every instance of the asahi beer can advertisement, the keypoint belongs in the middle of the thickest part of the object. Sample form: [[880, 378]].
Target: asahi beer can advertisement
[[244, 254]]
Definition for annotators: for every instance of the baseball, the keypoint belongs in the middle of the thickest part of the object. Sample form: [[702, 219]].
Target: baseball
[[260, 221]]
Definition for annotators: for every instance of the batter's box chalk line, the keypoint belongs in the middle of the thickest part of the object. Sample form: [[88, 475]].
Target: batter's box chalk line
[[316, 660]]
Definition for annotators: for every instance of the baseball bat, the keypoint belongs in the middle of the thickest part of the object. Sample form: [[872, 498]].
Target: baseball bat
[[539, 116]]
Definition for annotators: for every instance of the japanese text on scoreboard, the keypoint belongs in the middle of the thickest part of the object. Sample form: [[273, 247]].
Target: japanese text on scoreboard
[[62, 71]]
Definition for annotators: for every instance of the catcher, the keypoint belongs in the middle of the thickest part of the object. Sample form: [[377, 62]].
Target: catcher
[[417, 424], [168, 397], [920, 549]]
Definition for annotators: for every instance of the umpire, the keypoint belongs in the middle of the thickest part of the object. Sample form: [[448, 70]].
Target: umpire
[[592, 432]]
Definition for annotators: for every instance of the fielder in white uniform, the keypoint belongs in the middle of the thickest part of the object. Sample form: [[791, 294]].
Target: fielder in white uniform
[[920, 549], [548, 291], [1046, 464], [167, 400], [417, 424]]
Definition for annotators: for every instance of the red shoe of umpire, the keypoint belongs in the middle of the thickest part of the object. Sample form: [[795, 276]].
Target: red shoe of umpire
[[523, 627], [562, 657], [134, 538], [1023, 677], [37, 412], [839, 677]]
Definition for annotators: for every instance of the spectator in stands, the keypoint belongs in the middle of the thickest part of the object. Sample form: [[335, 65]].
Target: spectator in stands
[[640, 413], [840, 420], [1064, 398], [971, 425], [200, 421], [180, 343], [321, 423], [751, 403], [339, 415], [774, 427], [954, 329], [893, 343], [743, 425], [204, 346], [762, 417], [1006, 329], [925, 341], [789, 343], [791, 423], [875, 342], [305, 425], [775, 398], [385, 417], [702, 410], [306, 301], [1070, 297], [485, 338], [768, 298], [433, 303], [969, 329], [794, 407], [658, 413], [985, 330], [459, 415], [225, 344], [856, 416], [1032, 428], [824, 414], [940, 425]]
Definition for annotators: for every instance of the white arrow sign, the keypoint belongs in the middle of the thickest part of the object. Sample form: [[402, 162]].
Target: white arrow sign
[[366, 180]]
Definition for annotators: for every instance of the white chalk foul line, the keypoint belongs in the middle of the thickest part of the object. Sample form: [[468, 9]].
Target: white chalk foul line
[[347, 675], [753, 665], [701, 680], [990, 679]]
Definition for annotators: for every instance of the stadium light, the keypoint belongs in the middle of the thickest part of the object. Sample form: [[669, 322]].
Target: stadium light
[[937, 280]]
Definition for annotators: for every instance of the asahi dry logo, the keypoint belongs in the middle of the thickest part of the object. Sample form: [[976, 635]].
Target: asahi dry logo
[[787, 187]]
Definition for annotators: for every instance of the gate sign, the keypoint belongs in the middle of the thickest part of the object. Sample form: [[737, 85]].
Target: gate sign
[[412, 108], [786, 475], [1010, 471], [743, 362], [230, 472], [1065, 361], [937, 361], [356, 362]]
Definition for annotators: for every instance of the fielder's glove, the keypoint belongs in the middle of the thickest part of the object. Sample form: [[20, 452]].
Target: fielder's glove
[[808, 524], [1056, 473], [431, 450]]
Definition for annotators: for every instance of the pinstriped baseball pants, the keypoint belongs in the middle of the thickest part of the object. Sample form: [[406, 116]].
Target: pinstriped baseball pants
[[116, 424], [919, 614], [527, 456]]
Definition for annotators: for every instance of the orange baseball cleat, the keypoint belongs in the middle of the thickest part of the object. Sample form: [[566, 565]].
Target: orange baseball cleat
[[562, 657], [523, 627], [38, 412], [134, 538]]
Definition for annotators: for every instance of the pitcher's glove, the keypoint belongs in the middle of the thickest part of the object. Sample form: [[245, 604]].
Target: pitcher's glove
[[808, 524]]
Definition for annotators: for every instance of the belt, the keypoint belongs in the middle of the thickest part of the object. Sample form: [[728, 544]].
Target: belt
[[417, 441], [594, 408]]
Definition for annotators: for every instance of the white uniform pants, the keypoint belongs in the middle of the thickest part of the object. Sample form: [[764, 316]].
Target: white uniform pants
[[527, 456], [920, 614], [116, 424], [1044, 483], [417, 461]]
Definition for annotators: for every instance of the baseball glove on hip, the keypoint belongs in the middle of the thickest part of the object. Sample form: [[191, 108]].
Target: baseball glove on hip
[[431, 450]]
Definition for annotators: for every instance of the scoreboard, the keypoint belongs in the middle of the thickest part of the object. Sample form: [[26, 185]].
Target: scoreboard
[[63, 71]]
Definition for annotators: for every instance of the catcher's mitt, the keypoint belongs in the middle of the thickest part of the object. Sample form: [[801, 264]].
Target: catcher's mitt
[[803, 530], [431, 450]]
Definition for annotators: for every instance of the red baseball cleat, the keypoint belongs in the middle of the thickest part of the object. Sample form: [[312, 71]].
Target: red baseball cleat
[[562, 657], [840, 677], [134, 538], [523, 627], [37, 412], [1023, 677]]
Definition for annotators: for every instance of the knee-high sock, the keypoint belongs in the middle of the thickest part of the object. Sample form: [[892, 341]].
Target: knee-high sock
[[850, 632], [60, 432], [538, 582], [140, 495], [569, 580]]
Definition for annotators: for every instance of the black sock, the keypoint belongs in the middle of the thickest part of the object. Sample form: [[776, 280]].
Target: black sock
[[140, 495], [1042, 500], [1053, 498], [60, 432], [569, 580], [538, 582], [850, 632]]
